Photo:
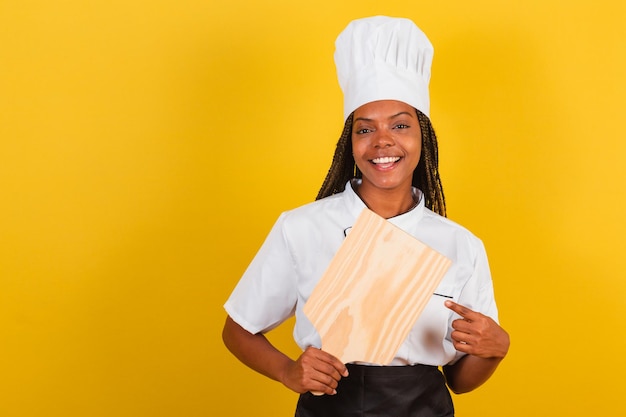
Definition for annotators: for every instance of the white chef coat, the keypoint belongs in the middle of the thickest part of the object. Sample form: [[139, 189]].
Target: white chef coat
[[300, 246]]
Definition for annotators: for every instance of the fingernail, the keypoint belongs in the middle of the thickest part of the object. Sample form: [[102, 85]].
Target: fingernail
[[448, 303]]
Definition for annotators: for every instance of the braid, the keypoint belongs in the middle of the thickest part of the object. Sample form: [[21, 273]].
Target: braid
[[343, 167], [425, 177]]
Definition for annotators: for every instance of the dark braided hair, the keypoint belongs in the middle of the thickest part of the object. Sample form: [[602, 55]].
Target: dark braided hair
[[425, 177]]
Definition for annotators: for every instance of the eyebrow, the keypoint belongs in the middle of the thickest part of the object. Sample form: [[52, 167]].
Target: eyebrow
[[366, 119]]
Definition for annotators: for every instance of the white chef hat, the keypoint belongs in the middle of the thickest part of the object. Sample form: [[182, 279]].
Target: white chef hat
[[383, 58]]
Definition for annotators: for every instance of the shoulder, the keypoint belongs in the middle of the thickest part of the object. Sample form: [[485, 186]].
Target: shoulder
[[315, 211], [313, 232], [449, 230]]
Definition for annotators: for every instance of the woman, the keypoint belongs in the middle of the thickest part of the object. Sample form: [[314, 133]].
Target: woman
[[386, 160]]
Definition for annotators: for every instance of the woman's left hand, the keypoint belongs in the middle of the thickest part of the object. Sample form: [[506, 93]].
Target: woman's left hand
[[477, 334]]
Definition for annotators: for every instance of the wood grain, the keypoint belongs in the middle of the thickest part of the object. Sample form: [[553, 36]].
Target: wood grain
[[373, 291]]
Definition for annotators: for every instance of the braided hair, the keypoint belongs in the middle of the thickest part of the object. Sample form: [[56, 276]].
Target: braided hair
[[425, 177]]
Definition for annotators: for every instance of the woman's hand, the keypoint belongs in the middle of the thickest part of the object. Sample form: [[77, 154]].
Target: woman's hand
[[484, 341], [315, 371], [478, 335]]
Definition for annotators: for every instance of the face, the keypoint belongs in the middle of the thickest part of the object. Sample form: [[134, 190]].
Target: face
[[387, 144]]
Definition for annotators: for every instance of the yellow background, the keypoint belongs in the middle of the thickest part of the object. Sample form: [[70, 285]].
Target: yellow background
[[146, 148]]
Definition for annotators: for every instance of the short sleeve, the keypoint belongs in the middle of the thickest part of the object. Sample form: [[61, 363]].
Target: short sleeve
[[266, 294]]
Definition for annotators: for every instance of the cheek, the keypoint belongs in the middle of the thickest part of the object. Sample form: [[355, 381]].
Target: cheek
[[418, 153], [414, 149], [358, 148]]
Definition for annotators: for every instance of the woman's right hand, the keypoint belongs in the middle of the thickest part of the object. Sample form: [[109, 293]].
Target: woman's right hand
[[316, 371]]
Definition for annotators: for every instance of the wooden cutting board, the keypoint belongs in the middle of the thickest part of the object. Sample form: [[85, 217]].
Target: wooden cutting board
[[375, 287]]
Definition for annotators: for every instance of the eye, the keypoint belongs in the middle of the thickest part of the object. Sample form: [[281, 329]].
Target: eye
[[401, 126], [363, 131]]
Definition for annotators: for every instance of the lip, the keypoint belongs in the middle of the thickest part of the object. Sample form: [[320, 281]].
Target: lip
[[385, 162]]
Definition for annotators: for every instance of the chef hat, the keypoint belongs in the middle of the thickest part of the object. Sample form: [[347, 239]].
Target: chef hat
[[383, 58]]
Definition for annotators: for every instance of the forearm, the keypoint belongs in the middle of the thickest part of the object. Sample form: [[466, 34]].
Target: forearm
[[469, 373], [255, 351]]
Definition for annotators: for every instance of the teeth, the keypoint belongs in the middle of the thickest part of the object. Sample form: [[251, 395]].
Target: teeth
[[386, 160]]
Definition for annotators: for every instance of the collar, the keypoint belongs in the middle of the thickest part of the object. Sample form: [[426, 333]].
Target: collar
[[404, 221]]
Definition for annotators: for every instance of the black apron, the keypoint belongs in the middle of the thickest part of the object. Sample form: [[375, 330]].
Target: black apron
[[383, 391]]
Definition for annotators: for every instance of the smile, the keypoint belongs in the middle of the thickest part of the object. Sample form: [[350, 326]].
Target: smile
[[386, 160]]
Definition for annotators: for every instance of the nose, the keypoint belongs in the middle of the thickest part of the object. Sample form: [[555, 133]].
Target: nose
[[383, 139]]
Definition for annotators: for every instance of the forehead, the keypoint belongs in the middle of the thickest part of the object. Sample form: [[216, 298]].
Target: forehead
[[383, 109]]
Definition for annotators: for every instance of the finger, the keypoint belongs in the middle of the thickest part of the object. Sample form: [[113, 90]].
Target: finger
[[463, 325], [321, 389], [326, 381], [335, 363], [462, 337], [464, 342], [462, 346], [326, 373], [325, 368], [339, 366], [315, 374], [462, 311]]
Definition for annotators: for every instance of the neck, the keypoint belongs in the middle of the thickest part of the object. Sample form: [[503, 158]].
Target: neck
[[387, 203]]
